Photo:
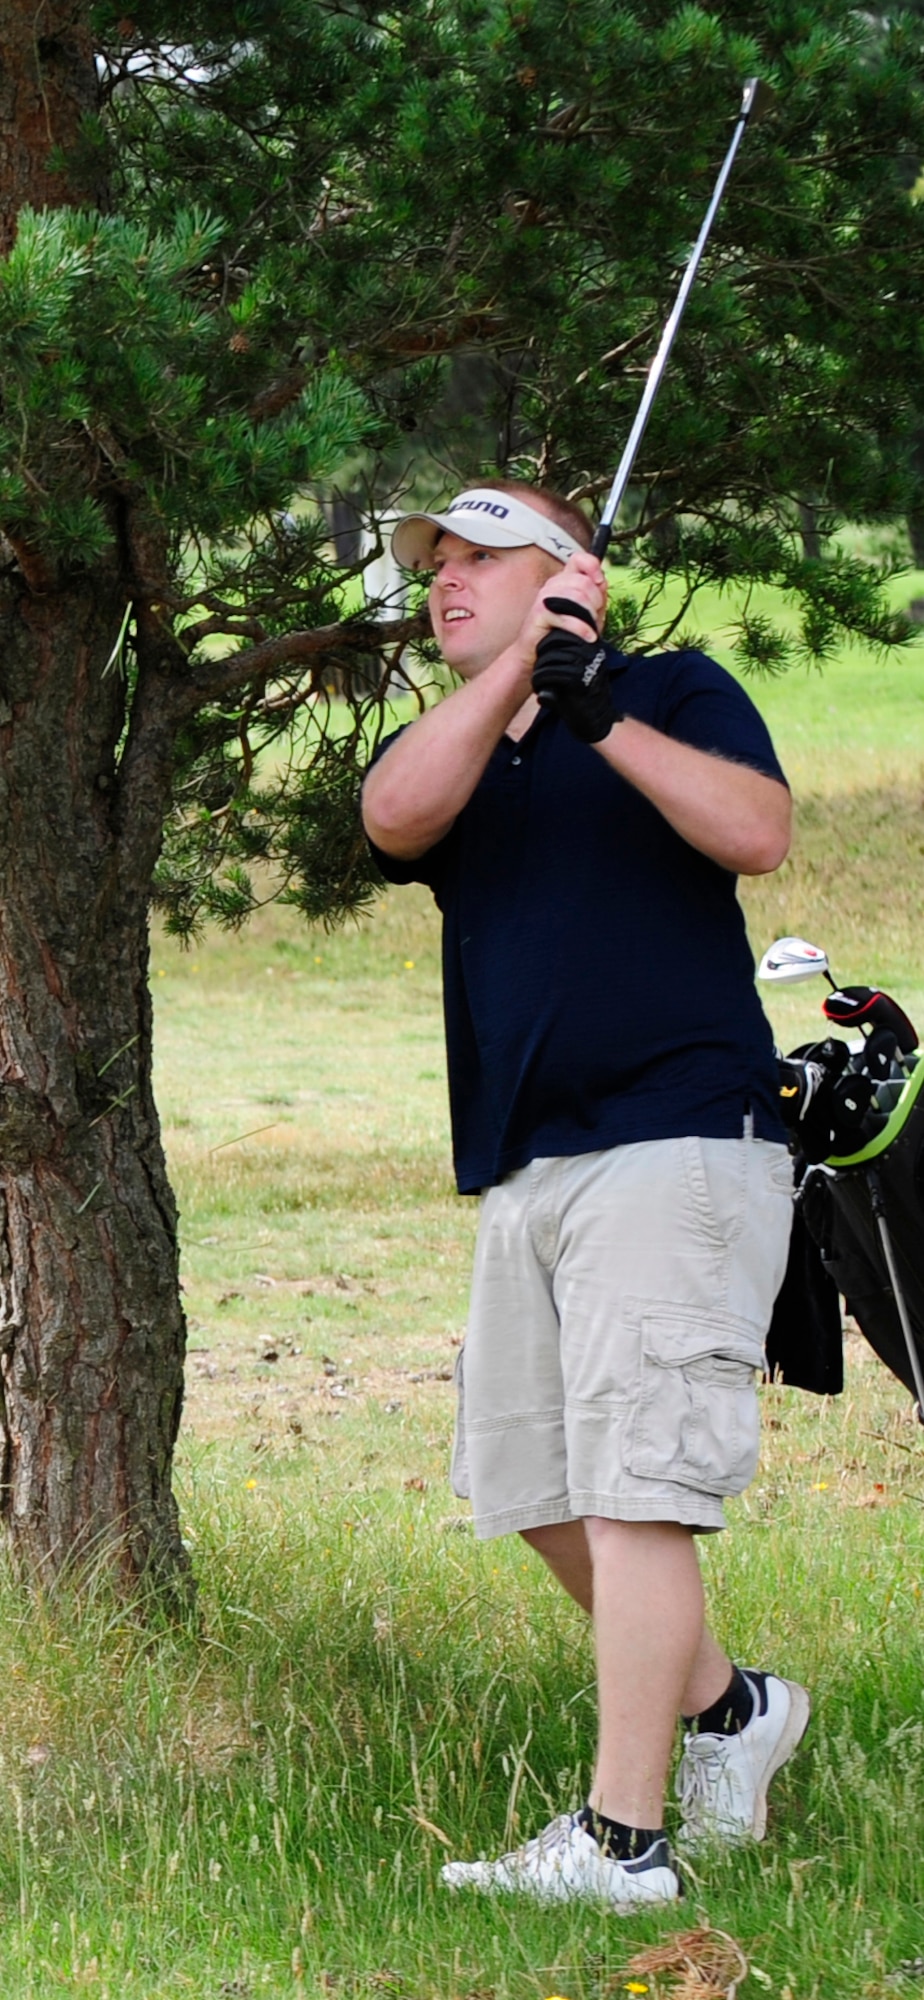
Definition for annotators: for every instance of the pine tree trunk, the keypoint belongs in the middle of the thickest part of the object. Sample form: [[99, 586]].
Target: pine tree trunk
[[47, 84], [92, 1335], [808, 528], [91, 1326]]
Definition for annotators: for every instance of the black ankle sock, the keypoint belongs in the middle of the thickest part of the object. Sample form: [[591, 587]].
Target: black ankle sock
[[730, 1714], [621, 1843]]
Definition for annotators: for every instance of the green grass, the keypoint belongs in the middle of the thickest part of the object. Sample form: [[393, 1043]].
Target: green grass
[[215, 1811], [259, 1804]]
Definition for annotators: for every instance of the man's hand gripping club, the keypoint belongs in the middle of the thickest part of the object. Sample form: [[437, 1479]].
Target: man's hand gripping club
[[571, 674]]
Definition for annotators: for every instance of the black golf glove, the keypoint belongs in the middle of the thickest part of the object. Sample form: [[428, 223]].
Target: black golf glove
[[571, 675]]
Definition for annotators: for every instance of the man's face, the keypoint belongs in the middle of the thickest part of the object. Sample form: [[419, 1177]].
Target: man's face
[[479, 599]]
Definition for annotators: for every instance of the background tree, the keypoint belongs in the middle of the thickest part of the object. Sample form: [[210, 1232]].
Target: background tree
[[252, 249]]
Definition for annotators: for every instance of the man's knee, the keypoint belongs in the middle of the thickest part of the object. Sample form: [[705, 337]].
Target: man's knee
[[563, 1547], [553, 1537]]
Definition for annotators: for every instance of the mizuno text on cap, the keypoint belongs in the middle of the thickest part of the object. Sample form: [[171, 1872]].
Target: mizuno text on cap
[[487, 518]]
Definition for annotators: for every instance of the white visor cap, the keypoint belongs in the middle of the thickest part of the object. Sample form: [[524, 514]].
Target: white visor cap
[[489, 519]]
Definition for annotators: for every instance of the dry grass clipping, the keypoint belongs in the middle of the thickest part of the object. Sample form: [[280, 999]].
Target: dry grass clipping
[[703, 1964]]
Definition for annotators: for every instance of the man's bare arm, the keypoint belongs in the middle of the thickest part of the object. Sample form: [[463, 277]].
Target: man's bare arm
[[418, 788], [413, 795], [733, 814]]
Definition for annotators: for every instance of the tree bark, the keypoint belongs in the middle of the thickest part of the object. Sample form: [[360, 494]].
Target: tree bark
[[47, 85], [808, 528], [92, 1335]]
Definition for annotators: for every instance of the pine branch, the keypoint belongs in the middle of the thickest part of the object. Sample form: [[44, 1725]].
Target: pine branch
[[217, 679]]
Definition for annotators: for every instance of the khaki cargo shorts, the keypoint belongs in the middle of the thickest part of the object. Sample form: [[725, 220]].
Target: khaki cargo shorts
[[620, 1302]]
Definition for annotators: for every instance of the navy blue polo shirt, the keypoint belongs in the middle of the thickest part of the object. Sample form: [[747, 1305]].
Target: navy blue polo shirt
[[598, 983]]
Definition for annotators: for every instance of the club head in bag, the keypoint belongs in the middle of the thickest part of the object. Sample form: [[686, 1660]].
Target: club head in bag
[[866, 1007], [824, 1100], [790, 959]]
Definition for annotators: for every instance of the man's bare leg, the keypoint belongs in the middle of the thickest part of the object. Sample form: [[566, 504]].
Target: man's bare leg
[[563, 1547], [648, 1630], [641, 1579]]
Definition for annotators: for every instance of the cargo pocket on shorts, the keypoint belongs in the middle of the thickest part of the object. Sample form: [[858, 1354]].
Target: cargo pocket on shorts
[[696, 1421], [458, 1463]]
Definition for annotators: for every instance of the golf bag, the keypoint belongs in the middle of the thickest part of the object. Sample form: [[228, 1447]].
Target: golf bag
[[843, 1209], [856, 1118]]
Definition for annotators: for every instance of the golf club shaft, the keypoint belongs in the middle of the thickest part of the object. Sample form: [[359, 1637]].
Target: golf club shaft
[[754, 93]]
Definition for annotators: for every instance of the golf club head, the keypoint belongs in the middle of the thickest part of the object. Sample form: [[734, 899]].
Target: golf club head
[[759, 98], [791, 959], [867, 1007]]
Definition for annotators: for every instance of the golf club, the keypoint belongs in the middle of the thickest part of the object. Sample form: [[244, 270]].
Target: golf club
[[755, 102], [590, 716], [793, 958], [865, 1008]]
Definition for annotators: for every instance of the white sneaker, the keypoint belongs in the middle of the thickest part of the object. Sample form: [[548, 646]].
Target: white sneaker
[[564, 1864], [722, 1781]]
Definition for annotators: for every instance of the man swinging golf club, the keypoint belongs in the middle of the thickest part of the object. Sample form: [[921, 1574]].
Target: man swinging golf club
[[614, 1102]]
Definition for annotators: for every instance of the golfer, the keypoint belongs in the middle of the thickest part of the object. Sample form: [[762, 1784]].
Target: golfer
[[614, 1103]]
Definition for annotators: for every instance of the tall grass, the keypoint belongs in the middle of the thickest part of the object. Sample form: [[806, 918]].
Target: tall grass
[[259, 1802]]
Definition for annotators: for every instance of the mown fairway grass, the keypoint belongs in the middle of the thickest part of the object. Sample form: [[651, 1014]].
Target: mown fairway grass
[[260, 1804]]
